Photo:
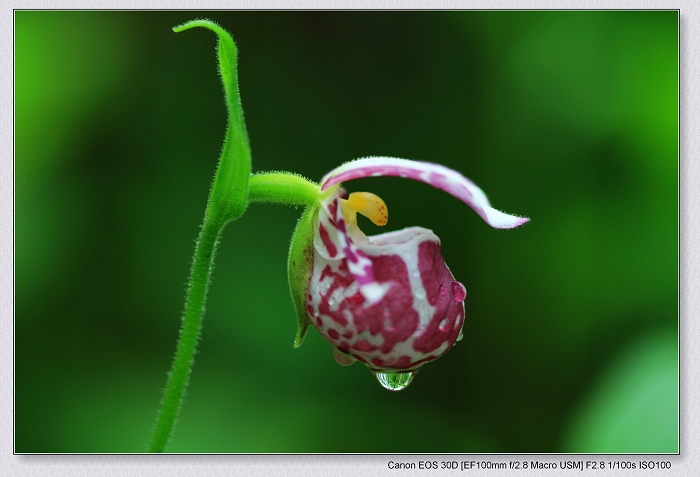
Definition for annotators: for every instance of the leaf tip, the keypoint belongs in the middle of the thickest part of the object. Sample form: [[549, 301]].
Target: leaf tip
[[301, 334], [197, 22]]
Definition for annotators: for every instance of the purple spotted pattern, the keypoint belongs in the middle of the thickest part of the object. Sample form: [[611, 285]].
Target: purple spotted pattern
[[413, 312]]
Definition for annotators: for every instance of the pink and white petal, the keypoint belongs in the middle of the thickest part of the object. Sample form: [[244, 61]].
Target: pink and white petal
[[328, 241], [333, 240], [436, 175]]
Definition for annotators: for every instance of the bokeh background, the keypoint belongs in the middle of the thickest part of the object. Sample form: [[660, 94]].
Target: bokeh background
[[570, 118]]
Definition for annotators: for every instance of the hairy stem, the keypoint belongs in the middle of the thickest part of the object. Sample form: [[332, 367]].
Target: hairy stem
[[207, 243], [284, 188], [232, 190], [228, 199]]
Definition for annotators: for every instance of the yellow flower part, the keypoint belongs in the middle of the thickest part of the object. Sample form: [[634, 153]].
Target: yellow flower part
[[370, 205]]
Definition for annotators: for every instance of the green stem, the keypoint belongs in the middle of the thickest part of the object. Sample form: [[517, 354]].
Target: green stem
[[232, 190], [227, 201], [274, 187], [284, 188], [200, 274]]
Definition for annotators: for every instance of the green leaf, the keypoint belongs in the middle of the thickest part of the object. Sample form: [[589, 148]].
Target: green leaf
[[299, 268], [633, 407], [229, 194]]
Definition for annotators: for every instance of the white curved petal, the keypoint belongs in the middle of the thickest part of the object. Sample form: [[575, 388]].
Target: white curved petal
[[436, 175]]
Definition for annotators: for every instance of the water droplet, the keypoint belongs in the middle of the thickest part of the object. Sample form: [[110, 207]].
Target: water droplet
[[458, 291], [443, 289], [459, 338], [394, 381], [331, 301], [420, 293], [444, 324]]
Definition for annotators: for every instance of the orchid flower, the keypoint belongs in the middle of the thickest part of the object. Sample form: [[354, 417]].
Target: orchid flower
[[388, 300]]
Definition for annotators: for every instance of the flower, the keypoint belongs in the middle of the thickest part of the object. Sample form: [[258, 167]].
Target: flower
[[388, 300]]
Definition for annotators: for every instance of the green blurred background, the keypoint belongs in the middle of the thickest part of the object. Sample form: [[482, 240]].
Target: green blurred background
[[570, 118]]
